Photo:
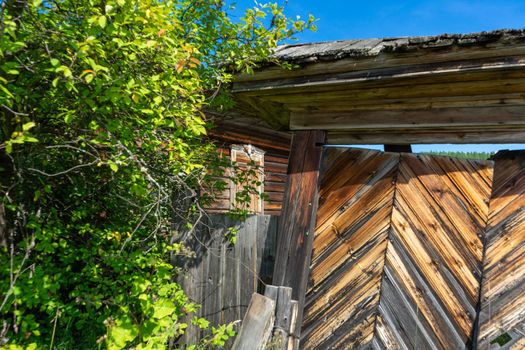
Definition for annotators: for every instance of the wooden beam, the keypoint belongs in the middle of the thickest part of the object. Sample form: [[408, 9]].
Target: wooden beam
[[428, 136], [296, 230], [436, 70], [410, 119]]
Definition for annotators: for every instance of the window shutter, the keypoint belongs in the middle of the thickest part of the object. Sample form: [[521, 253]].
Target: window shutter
[[248, 164]]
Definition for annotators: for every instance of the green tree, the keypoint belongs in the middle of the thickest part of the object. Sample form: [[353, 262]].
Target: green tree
[[102, 148]]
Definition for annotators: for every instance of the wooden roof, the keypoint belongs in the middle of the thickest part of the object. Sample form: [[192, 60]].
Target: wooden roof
[[467, 88]]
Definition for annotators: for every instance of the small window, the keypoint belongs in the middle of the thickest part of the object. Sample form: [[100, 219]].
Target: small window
[[248, 178]]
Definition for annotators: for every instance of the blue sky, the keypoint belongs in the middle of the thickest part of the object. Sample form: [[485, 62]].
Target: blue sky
[[340, 20]]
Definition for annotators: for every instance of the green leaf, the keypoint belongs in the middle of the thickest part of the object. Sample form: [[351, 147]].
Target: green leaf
[[122, 332], [162, 308], [102, 20], [89, 78], [28, 126], [54, 62], [64, 70], [113, 167]]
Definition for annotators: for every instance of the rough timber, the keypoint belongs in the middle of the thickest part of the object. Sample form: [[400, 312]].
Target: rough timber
[[434, 89]]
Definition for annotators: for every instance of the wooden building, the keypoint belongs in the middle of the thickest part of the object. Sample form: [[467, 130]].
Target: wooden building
[[389, 250]]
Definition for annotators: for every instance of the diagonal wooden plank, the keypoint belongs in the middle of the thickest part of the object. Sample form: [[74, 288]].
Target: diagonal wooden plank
[[432, 272], [353, 220], [397, 254]]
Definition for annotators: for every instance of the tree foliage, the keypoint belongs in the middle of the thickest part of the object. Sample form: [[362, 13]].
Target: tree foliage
[[102, 149]]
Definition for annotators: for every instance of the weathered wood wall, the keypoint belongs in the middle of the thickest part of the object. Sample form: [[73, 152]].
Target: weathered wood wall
[[398, 252], [502, 316], [222, 277], [408, 254]]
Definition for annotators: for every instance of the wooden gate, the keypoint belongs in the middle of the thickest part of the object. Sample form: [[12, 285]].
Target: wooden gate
[[398, 256]]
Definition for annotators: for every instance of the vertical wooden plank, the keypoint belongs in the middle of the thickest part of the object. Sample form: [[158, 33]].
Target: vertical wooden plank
[[296, 229], [282, 317], [267, 240], [193, 280], [257, 324], [247, 261], [212, 301], [293, 341], [231, 287]]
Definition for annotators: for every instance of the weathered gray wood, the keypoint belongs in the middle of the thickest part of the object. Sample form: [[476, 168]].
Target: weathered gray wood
[[256, 325], [222, 277], [267, 253], [282, 312], [272, 292], [337, 55], [281, 329], [293, 341]]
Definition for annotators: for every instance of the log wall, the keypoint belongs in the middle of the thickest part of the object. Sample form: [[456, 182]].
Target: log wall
[[276, 148]]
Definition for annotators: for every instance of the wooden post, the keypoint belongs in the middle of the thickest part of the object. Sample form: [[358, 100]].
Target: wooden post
[[257, 324], [297, 224]]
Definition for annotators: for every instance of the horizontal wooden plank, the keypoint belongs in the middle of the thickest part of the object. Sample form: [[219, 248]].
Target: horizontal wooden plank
[[279, 168], [403, 137], [413, 103], [446, 70], [275, 158], [410, 119], [275, 196], [401, 90], [275, 177], [465, 57], [274, 186]]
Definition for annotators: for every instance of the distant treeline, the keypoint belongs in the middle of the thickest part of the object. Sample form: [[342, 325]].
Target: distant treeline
[[463, 155]]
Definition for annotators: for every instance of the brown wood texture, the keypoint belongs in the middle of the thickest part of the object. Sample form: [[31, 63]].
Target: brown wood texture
[[502, 309], [432, 271], [353, 219], [397, 253], [296, 229]]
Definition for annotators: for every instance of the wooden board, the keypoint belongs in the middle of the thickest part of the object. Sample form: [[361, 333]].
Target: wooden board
[[502, 315], [256, 325], [397, 255], [353, 220], [433, 261]]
